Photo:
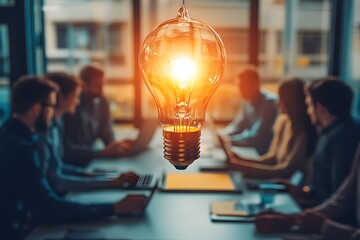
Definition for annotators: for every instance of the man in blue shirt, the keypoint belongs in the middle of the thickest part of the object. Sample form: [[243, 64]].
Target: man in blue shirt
[[91, 121], [26, 197], [252, 126]]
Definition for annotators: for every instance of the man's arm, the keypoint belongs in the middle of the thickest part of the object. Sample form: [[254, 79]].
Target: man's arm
[[238, 124], [342, 153], [38, 197], [344, 199], [343, 202], [293, 161], [63, 182], [334, 230], [260, 133]]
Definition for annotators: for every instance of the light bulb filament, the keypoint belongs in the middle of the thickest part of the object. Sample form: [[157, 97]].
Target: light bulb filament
[[183, 71]]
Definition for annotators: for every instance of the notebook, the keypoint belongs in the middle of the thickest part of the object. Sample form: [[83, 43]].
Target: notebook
[[202, 182], [235, 211]]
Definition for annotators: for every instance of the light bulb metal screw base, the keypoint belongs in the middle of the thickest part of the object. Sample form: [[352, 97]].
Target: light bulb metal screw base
[[182, 148]]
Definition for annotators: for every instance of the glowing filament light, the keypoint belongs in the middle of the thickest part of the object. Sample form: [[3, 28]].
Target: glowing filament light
[[183, 70]]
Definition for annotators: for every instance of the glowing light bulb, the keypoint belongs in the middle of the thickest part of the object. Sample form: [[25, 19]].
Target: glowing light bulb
[[182, 62]]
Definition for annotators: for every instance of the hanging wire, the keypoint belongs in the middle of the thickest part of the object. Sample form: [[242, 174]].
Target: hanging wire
[[182, 13]]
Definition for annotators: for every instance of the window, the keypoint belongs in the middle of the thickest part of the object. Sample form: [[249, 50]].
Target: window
[[262, 42], [4, 73], [78, 36], [313, 1], [354, 53], [312, 42], [6, 2], [116, 45], [356, 40], [4, 53], [279, 42], [83, 32], [296, 39], [235, 40]]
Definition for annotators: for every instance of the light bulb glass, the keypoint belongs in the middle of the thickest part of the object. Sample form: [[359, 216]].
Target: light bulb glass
[[182, 62]]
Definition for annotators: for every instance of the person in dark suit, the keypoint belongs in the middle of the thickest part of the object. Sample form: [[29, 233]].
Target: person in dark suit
[[26, 197]]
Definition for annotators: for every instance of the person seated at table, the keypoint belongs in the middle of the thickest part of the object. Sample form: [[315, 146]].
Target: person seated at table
[[65, 177], [338, 138], [252, 126], [26, 197], [90, 122], [337, 218], [293, 142]]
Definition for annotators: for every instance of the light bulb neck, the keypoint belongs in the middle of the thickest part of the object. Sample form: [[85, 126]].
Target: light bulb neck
[[183, 13], [181, 148]]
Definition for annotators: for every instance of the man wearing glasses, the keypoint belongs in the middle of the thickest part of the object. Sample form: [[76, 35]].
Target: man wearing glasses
[[26, 197]]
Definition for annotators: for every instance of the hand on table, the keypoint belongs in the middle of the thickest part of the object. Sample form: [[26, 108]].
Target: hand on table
[[283, 181], [128, 179], [270, 222], [132, 203], [117, 149], [311, 220]]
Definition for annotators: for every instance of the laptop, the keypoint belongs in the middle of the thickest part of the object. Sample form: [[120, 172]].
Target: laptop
[[108, 196], [149, 197], [146, 133], [245, 152], [219, 165], [145, 181]]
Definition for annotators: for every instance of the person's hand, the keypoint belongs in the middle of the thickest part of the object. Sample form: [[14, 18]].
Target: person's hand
[[118, 148], [274, 222], [128, 179], [311, 220], [296, 191], [129, 142], [132, 203], [92, 174], [283, 181]]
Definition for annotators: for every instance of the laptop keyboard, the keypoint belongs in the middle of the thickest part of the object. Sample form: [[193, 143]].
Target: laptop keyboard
[[250, 208], [144, 180]]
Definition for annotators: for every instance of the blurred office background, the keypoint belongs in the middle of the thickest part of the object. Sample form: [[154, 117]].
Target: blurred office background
[[284, 38]]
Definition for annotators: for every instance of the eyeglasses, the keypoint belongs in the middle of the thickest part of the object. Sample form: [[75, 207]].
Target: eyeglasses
[[46, 104]]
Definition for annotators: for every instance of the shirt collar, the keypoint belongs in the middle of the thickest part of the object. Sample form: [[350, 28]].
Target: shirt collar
[[21, 128], [259, 100], [334, 124]]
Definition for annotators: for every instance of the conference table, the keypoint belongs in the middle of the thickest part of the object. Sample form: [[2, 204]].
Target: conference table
[[169, 215]]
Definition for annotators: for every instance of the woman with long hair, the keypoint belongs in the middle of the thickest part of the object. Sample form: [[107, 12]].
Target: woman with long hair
[[293, 142]]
